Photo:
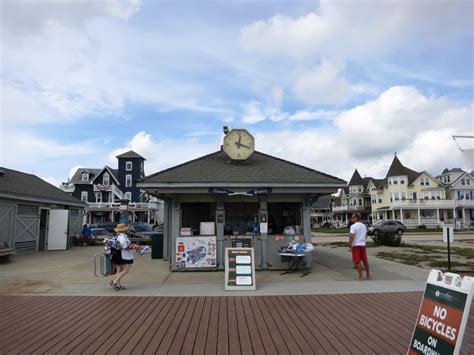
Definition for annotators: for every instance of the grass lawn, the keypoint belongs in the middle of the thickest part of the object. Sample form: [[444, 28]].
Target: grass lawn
[[330, 230]]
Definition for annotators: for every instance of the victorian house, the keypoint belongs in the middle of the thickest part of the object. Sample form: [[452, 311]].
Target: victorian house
[[414, 198], [107, 190], [354, 198], [459, 186]]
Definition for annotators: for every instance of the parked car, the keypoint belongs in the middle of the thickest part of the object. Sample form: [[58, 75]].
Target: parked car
[[140, 232], [98, 234], [390, 226], [108, 226]]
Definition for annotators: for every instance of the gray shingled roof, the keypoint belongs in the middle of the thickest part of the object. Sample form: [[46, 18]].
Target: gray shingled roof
[[27, 186], [258, 168], [322, 202], [378, 182], [398, 169], [356, 179], [77, 178], [130, 154]]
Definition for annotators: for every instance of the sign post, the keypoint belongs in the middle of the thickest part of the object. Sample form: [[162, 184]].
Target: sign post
[[443, 314], [448, 237], [240, 269]]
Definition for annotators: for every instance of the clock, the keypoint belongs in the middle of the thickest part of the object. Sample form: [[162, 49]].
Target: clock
[[239, 144]]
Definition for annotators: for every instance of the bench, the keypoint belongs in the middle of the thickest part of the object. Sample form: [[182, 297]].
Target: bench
[[6, 255]]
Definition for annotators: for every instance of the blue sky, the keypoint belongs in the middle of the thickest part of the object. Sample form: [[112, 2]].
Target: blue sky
[[331, 85]]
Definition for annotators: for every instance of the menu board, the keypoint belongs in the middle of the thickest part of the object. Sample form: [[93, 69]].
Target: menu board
[[240, 269], [196, 252]]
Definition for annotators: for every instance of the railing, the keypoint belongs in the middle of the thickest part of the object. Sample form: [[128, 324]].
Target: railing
[[432, 203], [131, 205], [348, 208]]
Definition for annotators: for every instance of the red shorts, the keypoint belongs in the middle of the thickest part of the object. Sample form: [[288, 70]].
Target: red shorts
[[359, 253]]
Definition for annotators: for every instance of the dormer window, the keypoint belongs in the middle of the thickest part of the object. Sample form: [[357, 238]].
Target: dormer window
[[85, 176], [106, 179], [128, 166]]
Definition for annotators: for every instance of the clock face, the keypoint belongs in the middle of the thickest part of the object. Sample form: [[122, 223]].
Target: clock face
[[239, 144]]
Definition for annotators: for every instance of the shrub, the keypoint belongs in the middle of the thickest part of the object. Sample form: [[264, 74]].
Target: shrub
[[422, 226], [389, 239]]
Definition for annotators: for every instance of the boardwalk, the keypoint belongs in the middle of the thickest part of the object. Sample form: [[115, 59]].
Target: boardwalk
[[382, 322]]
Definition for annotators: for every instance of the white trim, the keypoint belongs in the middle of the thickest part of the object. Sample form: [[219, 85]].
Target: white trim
[[131, 166], [82, 196], [126, 180], [225, 184]]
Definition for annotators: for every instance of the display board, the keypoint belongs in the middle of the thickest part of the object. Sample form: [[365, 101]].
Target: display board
[[196, 252], [240, 269], [443, 314]]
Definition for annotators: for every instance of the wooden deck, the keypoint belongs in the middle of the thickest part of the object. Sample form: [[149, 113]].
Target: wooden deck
[[356, 323]]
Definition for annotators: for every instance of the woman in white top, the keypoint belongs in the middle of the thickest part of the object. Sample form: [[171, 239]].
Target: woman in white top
[[123, 258]]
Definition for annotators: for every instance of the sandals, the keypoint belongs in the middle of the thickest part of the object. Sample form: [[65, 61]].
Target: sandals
[[118, 287]]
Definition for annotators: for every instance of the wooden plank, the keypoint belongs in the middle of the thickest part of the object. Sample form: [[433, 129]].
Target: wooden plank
[[158, 328], [336, 321], [323, 337], [180, 334], [223, 333], [211, 343], [255, 336], [366, 324], [201, 337], [295, 331], [34, 325], [244, 336], [104, 318], [174, 325], [147, 331], [141, 325], [277, 337], [68, 329], [117, 331], [234, 340], [267, 339], [21, 312], [190, 338], [46, 329]]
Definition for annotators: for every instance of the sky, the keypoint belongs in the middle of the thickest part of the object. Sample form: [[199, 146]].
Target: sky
[[332, 85]]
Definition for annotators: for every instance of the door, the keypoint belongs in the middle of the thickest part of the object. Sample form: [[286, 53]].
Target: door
[[43, 229], [57, 234]]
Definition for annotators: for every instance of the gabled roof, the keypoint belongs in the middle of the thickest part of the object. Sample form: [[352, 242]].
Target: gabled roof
[[77, 178], [379, 183], [453, 170], [113, 173], [356, 179], [130, 155], [323, 202], [398, 169], [471, 175], [217, 168], [18, 185]]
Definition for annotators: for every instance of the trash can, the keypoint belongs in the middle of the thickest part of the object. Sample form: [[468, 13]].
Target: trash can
[[157, 246]]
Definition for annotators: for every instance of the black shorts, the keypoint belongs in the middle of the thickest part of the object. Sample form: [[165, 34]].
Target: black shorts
[[117, 258]]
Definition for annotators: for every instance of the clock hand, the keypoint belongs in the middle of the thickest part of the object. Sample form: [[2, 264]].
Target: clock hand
[[245, 146]]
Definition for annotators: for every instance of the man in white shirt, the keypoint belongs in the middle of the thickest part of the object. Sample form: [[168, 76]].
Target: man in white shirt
[[357, 237]]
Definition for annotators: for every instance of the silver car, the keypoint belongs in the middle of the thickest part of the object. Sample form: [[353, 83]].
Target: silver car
[[390, 226]]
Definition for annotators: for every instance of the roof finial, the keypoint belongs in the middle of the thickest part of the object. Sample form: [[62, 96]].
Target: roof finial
[[395, 153]]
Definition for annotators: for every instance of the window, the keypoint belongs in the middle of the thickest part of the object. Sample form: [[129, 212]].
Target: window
[[404, 196], [360, 188], [84, 196], [360, 202], [426, 195], [468, 182], [395, 181], [106, 179], [402, 181], [85, 176], [128, 166], [449, 178], [98, 197], [427, 213], [128, 180], [424, 182], [128, 196]]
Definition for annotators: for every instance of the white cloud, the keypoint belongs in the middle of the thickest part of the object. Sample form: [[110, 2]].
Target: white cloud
[[323, 84], [165, 153], [353, 29]]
